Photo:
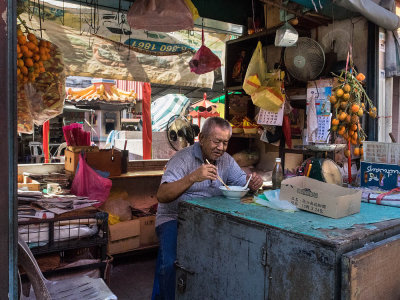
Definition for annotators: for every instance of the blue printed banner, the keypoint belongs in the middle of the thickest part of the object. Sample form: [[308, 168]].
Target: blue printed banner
[[384, 176]]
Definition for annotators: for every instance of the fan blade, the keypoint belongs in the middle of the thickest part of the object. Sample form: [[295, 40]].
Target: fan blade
[[173, 136]]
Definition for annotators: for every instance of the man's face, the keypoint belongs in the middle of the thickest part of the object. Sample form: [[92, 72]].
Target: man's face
[[214, 145]]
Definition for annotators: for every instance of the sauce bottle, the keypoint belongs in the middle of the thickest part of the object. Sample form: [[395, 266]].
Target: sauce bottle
[[277, 174]]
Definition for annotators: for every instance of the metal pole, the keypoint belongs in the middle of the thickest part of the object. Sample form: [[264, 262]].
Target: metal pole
[[8, 151]]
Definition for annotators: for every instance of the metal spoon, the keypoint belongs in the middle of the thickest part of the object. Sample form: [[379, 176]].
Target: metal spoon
[[248, 181]]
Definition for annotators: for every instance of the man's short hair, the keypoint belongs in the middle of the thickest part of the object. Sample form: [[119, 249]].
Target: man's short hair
[[212, 122]]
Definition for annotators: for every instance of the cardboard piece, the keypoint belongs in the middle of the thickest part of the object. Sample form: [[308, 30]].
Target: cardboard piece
[[321, 198], [148, 234], [99, 160], [124, 237], [384, 176]]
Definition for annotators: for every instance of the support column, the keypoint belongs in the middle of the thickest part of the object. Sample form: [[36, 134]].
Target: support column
[[8, 151]]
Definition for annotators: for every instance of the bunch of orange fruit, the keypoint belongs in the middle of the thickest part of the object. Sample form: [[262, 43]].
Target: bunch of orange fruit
[[31, 53], [349, 101]]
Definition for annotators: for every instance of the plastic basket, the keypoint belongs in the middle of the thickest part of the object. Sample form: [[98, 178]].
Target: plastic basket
[[379, 152], [250, 130]]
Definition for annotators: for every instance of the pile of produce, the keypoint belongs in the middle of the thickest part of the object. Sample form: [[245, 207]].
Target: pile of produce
[[350, 103], [40, 80], [31, 54]]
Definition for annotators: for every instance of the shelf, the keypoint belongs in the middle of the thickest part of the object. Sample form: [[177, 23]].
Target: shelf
[[234, 88], [246, 136]]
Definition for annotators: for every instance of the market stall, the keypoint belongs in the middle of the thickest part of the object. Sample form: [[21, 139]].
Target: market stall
[[299, 101]]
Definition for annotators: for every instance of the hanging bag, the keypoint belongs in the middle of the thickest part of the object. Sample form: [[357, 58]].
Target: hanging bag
[[90, 184], [160, 15], [256, 71], [204, 60]]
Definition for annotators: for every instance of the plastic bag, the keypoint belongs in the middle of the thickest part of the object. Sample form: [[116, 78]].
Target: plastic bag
[[268, 98], [271, 199], [193, 9], [204, 60], [160, 15], [257, 67], [90, 184], [42, 99]]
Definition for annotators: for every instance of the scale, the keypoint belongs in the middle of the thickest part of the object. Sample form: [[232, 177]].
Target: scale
[[323, 169]]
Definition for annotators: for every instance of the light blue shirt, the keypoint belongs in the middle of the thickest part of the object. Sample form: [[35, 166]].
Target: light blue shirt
[[185, 162]]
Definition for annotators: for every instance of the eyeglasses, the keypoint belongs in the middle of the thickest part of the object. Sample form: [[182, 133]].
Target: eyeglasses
[[202, 108]]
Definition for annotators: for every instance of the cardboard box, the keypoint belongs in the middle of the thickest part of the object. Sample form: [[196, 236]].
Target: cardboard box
[[100, 160], [148, 234], [27, 182], [384, 176], [321, 198], [124, 237]]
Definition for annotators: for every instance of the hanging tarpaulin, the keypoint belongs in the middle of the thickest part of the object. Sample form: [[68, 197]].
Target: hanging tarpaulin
[[146, 119], [99, 43]]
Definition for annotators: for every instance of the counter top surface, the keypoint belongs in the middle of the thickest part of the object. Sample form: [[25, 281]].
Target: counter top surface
[[372, 218], [139, 174]]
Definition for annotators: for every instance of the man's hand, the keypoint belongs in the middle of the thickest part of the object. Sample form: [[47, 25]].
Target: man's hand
[[255, 183], [204, 172]]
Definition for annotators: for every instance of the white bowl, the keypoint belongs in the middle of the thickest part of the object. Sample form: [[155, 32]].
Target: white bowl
[[235, 192]]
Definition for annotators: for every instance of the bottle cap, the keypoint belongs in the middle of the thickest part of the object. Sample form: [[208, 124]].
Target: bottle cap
[[278, 159]]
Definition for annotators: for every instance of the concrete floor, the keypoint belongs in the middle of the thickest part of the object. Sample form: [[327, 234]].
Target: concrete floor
[[132, 276]]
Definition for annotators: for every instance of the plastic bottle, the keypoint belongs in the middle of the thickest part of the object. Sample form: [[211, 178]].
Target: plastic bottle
[[277, 174]]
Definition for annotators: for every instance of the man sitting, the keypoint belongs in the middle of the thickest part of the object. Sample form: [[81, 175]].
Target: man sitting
[[188, 176]]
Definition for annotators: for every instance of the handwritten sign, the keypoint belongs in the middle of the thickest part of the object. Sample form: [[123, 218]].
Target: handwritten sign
[[384, 176]]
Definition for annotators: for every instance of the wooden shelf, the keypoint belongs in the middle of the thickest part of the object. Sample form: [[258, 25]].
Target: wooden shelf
[[234, 88], [246, 136]]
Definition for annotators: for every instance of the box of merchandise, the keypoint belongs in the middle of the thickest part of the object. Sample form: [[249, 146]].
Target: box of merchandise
[[148, 236], [106, 160], [384, 176], [124, 237], [321, 198]]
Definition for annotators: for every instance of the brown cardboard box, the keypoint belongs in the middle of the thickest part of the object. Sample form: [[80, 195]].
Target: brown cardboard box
[[148, 234], [124, 237], [100, 160], [321, 198]]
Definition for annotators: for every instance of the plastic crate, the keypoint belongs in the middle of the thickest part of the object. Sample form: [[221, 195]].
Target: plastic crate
[[379, 152]]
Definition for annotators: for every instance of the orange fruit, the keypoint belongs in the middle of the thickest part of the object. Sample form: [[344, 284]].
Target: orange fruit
[[28, 62], [357, 151], [334, 128], [332, 99], [18, 49], [360, 77], [347, 88], [355, 108], [342, 116], [21, 39], [339, 93], [31, 46], [31, 37], [342, 129], [19, 55], [354, 127], [347, 153], [351, 132], [20, 63], [348, 119], [354, 119], [36, 57], [346, 96], [343, 104], [362, 104], [360, 113], [19, 32], [24, 70], [355, 136], [335, 122], [18, 72], [24, 49]]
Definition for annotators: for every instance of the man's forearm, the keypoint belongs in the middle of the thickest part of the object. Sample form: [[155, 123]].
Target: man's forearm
[[168, 192]]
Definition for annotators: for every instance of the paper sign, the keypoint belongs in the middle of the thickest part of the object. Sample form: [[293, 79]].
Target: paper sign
[[269, 118], [321, 96], [324, 124]]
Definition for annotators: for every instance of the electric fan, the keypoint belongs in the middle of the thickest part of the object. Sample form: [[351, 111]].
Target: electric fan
[[305, 60], [180, 132]]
